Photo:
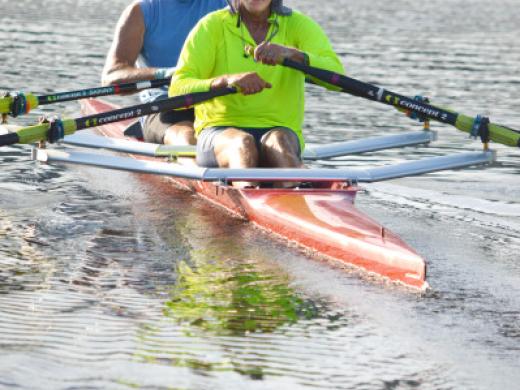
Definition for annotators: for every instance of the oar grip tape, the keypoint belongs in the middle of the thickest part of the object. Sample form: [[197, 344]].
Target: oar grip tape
[[9, 139]]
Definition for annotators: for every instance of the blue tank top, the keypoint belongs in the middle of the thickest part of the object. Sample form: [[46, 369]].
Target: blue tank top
[[167, 24]]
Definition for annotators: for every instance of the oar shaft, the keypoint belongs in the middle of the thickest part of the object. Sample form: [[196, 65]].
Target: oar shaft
[[40, 132], [32, 101], [375, 93], [147, 108], [355, 87], [101, 91]]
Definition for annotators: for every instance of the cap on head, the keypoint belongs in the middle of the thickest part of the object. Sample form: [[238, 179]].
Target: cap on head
[[276, 6]]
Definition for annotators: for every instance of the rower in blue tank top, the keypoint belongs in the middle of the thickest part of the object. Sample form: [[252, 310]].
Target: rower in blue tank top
[[148, 40]]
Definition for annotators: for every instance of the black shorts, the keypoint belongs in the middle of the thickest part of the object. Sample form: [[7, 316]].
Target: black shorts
[[206, 142], [155, 125]]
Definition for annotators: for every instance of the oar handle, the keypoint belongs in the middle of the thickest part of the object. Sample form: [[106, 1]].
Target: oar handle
[[9, 139]]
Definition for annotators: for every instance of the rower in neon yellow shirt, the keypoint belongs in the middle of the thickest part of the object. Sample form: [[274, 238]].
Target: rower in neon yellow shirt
[[263, 128]]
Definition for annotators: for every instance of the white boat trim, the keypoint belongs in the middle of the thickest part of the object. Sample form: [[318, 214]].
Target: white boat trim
[[312, 152], [371, 144], [127, 146], [365, 175]]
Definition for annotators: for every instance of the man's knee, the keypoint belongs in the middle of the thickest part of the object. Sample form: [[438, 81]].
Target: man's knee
[[181, 133], [236, 149], [281, 140], [243, 143]]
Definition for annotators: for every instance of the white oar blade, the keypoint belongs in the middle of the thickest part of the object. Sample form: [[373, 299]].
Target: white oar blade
[[388, 172]]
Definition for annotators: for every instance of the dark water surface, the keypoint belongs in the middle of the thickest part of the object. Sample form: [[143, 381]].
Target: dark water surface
[[110, 280]]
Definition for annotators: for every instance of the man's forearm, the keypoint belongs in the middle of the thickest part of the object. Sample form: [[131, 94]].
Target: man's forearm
[[127, 74], [297, 56]]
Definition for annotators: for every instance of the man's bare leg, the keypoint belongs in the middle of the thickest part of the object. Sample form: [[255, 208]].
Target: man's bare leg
[[236, 149], [181, 133], [281, 150]]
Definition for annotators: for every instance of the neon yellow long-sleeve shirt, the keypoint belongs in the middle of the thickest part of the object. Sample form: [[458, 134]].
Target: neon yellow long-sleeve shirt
[[216, 46]]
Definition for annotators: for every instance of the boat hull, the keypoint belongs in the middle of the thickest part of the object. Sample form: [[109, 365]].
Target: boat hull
[[323, 220]]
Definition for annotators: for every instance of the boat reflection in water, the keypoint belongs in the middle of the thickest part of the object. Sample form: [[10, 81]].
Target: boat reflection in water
[[227, 294]]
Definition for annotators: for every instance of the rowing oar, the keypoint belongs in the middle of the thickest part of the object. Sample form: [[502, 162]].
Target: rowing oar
[[496, 133], [42, 131], [474, 126], [17, 103]]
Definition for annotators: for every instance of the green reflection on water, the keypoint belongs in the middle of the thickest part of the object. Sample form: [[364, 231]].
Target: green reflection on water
[[216, 297], [229, 298], [227, 285]]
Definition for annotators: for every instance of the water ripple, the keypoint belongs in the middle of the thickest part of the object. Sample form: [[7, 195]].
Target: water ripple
[[108, 280]]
